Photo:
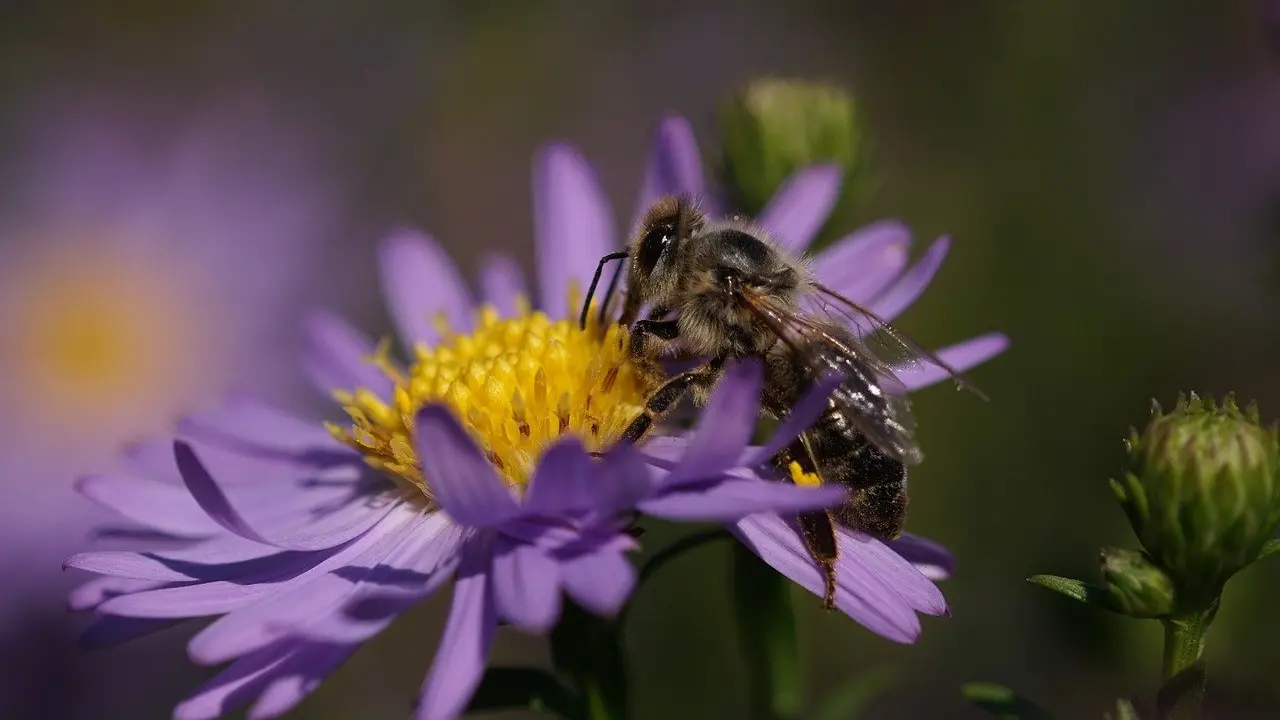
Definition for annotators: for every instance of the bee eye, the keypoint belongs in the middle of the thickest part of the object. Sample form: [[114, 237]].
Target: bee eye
[[655, 244]]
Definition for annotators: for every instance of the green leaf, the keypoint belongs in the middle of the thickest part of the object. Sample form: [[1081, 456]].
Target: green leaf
[[1002, 702], [767, 637], [534, 689], [851, 699], [1074, 589]]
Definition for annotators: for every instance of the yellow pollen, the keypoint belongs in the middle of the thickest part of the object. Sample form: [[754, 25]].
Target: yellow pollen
[[800, 477], [516, 384]]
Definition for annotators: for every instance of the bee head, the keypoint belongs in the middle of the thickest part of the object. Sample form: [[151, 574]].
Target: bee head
[[656, 250]]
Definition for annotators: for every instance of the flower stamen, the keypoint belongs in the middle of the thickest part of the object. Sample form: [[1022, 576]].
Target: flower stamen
[[517, 384]]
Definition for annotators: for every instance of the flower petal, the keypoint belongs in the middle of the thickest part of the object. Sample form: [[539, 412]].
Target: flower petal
[[311, 531], [673, 165], [866, 556], [734, 498], [298, 679], [158, 505], [800, 207], [864, 262], [336, 357], [526, 587], [778, 543], [622, 481], [121, 563], [468, 632], [461, 479], [502, 283], [563, 481], [153, 461], [420, 283], [573, 223], [724, 425], [960, 357], [931, 559], [236, 685], [912, 284], [803, 415], [258, 428], [599, 581], [99, 590]]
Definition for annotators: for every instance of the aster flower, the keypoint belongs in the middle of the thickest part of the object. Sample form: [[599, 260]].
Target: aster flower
[[472, 464], [124, 300]]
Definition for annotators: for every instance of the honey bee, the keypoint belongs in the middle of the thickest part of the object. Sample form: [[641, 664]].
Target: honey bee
[[723, 290]]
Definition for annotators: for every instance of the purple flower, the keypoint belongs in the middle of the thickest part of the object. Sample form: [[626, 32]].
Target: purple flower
[[471, 464], [477, 462], [125, 299]]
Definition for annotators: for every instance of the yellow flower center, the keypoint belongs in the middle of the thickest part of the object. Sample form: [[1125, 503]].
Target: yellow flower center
[[517, 384]]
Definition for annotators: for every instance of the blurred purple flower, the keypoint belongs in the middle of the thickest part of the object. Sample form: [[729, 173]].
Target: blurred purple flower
[[147, 262]]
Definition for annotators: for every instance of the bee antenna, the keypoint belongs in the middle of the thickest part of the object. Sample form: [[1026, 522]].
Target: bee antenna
[[595, 280]]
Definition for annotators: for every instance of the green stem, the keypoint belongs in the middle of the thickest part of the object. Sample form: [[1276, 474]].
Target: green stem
[[588, 649], [1183, 676]]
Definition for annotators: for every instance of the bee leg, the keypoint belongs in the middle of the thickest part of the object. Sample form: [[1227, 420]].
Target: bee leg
[[817, 529], [818, 532], [665, 397], [648, 336]]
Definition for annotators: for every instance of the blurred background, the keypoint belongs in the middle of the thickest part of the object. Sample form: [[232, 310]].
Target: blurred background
[[180, 181]]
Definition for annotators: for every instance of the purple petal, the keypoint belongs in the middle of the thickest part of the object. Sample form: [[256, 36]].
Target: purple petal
[[859, 595], [407, 577], [256, 426], [234, 686], [336, 357], [308, 598], [419, 283], [724, 425], [862, 263], [468, 632], [599, 581], [573, 223], [502, 283], [912, 284], [960, 357], [526, 587], [119, 563], [563, 481], [622, 480], [931, 559], [866, 557], [460, 477], [161, 506], [153, 461], [673, 166], [800, 207], [308, 532], [734, 498], [99, 590], [804, 414], [305, 671]]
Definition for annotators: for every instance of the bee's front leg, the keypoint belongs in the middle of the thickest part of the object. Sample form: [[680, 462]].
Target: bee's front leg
[[665, 397]]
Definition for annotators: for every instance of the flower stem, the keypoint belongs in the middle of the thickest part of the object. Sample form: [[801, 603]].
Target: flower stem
[[588, 649], [1183, 675]]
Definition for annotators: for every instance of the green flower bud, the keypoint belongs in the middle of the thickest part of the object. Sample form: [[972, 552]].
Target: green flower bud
[[1134, 586], [774, 127], [1203, 494]]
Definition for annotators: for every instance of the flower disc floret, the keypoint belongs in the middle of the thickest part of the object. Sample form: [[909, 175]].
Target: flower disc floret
[[516, 384]]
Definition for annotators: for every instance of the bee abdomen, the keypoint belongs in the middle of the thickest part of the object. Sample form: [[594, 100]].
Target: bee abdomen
[[877, 503]]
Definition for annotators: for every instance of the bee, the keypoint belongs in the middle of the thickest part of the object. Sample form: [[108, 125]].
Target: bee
[[723, 290]]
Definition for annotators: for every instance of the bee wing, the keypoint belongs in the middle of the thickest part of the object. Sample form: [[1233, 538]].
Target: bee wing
[[863, 374], [890, 345]]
